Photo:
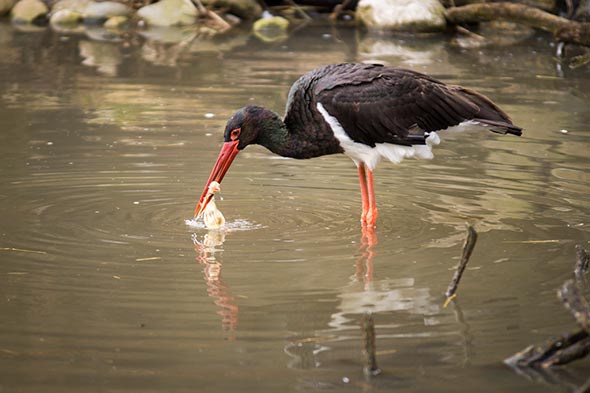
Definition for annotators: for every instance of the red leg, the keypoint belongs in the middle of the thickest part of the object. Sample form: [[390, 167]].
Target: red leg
[[364, 192], [371, 219]]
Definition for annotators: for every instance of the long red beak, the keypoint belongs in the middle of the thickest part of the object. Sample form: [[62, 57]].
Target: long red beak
[[228, 152]]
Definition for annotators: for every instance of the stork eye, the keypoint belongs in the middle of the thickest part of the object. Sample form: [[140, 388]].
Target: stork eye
[[235, 133]]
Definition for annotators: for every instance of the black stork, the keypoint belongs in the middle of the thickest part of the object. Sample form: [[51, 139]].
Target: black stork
[[366, 111]]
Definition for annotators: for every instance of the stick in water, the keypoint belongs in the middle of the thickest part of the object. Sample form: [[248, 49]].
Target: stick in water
[[467, 250], [369, 349]]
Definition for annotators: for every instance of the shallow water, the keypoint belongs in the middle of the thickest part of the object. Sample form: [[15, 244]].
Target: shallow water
[[105, 148]]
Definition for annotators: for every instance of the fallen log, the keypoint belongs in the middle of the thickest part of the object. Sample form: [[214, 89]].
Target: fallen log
[[563, 29]]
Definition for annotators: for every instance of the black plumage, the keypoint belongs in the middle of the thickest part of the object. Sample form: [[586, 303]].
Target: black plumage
[[378, 104]]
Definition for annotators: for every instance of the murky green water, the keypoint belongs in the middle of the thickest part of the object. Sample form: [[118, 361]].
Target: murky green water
[[104, 148]]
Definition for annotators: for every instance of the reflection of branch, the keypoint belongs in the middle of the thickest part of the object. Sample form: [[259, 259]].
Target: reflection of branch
[[465, 334], [369, 349]]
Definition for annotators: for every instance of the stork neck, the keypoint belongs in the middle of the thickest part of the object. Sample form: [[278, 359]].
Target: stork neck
[[275, 136], [299, 141]]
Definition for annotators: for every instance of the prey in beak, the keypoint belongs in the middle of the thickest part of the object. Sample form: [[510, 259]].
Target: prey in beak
[[241, 130]]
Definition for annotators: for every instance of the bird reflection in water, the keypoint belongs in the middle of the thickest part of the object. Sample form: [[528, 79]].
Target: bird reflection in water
[[364, 264], [208, 250]]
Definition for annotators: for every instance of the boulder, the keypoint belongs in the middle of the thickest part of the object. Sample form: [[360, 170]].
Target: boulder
[[401, 15], [6, 6], [99, 12], [72, 5], [29, 11], [169, 13], [65, 17]]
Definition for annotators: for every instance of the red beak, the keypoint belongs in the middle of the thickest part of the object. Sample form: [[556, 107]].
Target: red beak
[[228, 152]]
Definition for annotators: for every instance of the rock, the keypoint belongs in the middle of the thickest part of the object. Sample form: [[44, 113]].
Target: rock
[[272, 29], [99, 12], [115, 22], [169, 13], [65, 17], [6, 6], [401, 15], [245, 9], [29, 11], [72, 5]]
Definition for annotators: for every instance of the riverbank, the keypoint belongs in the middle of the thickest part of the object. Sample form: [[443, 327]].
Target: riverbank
[[475, 24]]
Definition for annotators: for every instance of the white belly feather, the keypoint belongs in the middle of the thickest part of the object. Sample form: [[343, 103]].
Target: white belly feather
[[371, 156]]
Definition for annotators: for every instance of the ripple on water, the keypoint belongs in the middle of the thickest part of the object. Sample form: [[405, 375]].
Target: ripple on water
[[230, 226]]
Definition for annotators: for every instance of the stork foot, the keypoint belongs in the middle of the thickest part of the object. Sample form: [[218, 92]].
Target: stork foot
[[369, 218]]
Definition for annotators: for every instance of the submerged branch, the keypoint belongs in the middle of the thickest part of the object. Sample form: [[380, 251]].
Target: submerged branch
[[548, 352], [574, 294]]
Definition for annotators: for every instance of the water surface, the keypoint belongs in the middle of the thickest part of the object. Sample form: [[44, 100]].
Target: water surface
[[106, 146]]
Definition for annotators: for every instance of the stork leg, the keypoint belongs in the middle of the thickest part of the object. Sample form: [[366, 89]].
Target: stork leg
[[369, 214]]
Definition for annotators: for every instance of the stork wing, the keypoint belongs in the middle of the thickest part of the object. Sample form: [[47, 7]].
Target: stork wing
[[392, 105]]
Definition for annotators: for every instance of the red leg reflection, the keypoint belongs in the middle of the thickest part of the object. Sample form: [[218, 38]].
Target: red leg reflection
[[216, 288], [364, 264]]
